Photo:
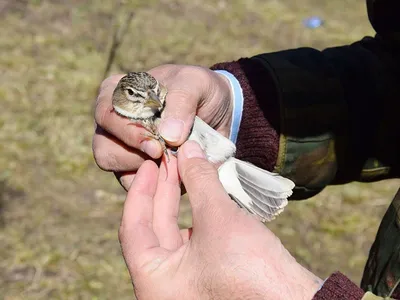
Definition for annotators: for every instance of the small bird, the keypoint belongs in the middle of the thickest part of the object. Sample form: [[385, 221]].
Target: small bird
[[141, 98]]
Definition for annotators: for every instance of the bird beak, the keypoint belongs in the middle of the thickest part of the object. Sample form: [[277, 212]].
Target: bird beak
[[153, 101]]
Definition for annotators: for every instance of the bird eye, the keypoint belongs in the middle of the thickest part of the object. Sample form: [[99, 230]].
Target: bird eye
[[130, 92]]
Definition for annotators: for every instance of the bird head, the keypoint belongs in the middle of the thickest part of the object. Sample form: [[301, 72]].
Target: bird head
[[138, 95]]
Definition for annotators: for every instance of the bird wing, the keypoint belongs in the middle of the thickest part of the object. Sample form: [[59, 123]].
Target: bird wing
[[216, 147], [258, 191]]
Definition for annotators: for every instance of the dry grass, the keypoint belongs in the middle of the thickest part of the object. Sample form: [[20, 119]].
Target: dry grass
[[60, 213]]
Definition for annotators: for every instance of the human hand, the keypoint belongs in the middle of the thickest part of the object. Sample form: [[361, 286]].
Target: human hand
[[227, 255], [121, 147]]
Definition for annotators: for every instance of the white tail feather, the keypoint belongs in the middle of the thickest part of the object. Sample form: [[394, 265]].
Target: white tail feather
[[260, 192]]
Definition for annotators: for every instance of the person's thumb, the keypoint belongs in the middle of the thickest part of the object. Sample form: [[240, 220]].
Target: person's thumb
[[207, 196], [178, 117]]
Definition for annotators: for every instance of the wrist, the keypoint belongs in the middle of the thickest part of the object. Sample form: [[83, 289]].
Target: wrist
[[301, 285], [299, 282], [236, 96], [311, 284], [280, 279], [261, 107]]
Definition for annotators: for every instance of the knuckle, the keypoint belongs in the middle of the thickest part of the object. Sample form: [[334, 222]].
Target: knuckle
[[121, 233], [191, 69], [181, 95], [99, 116], [164, 71], [103, 101], [100, 111], [103, 159], [110, 81], [126, 181], [168, 67], [202, 74], [204, 78]]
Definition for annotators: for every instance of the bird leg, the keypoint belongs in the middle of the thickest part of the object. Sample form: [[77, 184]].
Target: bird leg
[[161, 140], [153, 134]]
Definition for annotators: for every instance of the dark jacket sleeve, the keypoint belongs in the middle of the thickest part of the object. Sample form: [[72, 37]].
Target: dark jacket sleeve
[[337, 286], [322, 117]]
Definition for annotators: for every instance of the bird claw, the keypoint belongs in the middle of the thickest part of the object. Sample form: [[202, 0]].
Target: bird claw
[[163, 145]]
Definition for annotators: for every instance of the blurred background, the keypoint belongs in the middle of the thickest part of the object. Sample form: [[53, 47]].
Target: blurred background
[[59, 213]]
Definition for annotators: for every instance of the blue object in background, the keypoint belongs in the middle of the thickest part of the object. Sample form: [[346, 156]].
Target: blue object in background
[[313, 22]]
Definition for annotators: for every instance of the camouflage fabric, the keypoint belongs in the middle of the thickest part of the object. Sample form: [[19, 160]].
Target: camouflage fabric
[[373, 168], [310, 162], [370, 296], [382, 271]]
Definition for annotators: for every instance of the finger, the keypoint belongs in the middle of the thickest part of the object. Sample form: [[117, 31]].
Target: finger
[[123, 129], [136, 233], [113, 155], [166, 206], [125, 179], [183, 98], [209, 201], [178, 116]]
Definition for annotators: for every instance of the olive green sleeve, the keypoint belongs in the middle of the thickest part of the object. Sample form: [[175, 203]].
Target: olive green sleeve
[[370, 296]]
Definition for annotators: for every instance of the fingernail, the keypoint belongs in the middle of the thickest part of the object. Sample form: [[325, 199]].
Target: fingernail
[[192, 149], [149, 147], [171, 129]]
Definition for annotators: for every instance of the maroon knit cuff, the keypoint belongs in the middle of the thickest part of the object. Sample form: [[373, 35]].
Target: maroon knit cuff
[[258, 140], [338, 286]]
